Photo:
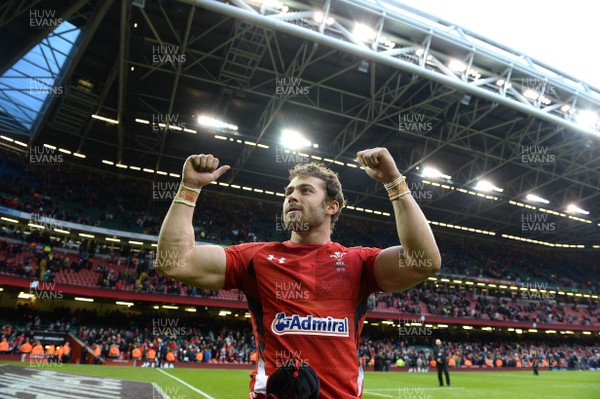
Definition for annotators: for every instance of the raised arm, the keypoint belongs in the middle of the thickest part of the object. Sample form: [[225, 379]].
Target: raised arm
[[400, 267], [177, 255]]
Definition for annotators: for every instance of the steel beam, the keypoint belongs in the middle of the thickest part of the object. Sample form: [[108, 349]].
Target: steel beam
[[381, 58]]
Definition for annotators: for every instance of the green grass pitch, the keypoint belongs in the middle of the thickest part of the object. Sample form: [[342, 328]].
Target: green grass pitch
[[233, 384]]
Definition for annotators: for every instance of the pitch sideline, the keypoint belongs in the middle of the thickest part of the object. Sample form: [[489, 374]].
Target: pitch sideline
[[207, 396]]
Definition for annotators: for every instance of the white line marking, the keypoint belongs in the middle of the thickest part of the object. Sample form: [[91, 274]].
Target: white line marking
[[157, 389], [372, 390], [187, 385], [377, 394]]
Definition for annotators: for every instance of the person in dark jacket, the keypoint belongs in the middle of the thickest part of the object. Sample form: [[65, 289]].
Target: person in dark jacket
[[439, 353]]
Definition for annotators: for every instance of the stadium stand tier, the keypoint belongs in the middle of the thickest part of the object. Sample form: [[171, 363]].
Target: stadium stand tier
[[483, 282]]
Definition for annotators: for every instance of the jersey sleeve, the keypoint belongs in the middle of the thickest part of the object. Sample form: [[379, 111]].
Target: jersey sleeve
[[238, 259], [369, 255]]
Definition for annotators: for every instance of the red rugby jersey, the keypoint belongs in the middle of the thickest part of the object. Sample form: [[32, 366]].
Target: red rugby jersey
[[308, 303]]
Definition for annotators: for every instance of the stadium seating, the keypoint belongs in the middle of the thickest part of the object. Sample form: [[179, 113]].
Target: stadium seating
[[453, 301], [231, 342], [76, 197]]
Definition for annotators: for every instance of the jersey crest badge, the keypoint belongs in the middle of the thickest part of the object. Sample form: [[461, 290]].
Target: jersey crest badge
[[339, 263]]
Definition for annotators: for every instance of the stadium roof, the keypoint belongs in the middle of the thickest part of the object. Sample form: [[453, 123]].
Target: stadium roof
[[531, 29], [437, 96]]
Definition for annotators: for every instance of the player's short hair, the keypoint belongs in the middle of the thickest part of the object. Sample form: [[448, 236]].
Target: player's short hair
[[333, 187]]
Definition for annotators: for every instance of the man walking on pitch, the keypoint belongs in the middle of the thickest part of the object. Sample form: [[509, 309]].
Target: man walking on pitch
[[441, 362], [307, 296]]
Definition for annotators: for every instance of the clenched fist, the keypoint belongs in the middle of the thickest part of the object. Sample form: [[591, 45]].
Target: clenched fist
[[379, 164], [200, 170]]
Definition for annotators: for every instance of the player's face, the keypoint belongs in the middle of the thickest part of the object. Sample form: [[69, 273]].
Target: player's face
[[304, 206]]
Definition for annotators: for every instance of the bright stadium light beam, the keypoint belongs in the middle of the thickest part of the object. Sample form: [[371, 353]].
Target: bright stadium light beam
[[572, 208], [434, 173], [487, 186], [588, 119], [503, 83], [105, 119], [363, 33], [318, 17], [536, 198], [215, 123], [457, 65], [83, 299], [293, 139], [531, 94]]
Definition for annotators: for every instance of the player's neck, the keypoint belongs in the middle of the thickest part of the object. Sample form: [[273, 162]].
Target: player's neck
[[318, 236]]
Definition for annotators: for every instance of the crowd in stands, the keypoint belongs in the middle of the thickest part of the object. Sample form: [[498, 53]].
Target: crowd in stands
[[16, 334], [89, 197], [189, 344], [159, 339], [67, 193], [116, 334], [136, 273], [463, 301], [466, 353]]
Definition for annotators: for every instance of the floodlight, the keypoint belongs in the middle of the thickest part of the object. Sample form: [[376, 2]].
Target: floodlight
[[215, 123], [572, 208], [293, 139], [535, 198], [588, 119], [433, 173], [457, 66], [531, 94], [318, 17], [363, 33], [487, 186]]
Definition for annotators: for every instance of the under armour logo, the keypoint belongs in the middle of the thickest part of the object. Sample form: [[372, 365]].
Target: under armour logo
[[281, 260]]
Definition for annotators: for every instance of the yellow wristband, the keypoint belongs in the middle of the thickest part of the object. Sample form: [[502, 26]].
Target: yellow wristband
[[394, 183], [196, 190], [397, 187], [398, 196], [187, 195]]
